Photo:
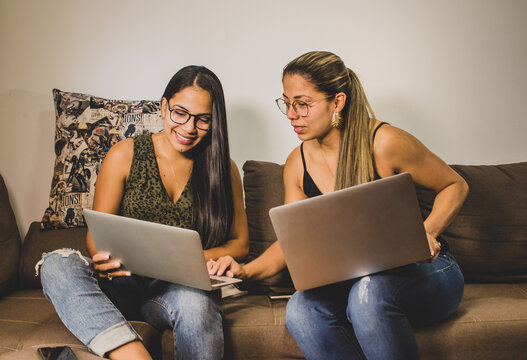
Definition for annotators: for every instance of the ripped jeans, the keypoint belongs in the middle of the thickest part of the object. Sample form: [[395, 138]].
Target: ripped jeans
[[96, 309], [372, 317]]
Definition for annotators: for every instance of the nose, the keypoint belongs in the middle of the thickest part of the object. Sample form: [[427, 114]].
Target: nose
[[291, 113], [190, 125]]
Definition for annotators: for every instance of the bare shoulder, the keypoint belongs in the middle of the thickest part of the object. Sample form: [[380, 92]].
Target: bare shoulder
[[294, 160], [293, 168], [396, 151], [122, 149], [120, 155], [293, 174], [391, 141]]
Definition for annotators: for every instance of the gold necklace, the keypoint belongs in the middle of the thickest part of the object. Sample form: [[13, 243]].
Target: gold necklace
[[174, 174]]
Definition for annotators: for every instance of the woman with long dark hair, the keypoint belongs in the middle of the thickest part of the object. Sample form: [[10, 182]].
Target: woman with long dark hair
[[181, 177], [343, 144]]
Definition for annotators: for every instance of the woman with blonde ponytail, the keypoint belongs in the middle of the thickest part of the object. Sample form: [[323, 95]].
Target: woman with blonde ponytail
[[343, 144]]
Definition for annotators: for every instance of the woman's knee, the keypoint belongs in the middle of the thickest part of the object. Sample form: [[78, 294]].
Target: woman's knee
[[293, 310], [301, 310], [369, 297], [185, 303], [197, 303], [57, 267]]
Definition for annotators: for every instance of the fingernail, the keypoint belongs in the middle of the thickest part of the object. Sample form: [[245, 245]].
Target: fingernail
[[117, 263]]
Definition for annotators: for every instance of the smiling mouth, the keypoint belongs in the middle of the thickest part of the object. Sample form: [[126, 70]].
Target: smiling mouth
[[182, 139]]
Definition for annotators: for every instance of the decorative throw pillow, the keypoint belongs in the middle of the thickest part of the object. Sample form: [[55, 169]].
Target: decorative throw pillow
[[86, 127]]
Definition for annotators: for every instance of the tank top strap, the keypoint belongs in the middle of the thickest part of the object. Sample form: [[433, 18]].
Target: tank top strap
[[375, 131], [310, 188], [302, 153], [376, 175]]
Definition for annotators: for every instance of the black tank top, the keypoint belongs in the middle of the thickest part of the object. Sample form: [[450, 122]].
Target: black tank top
[[310, 188]]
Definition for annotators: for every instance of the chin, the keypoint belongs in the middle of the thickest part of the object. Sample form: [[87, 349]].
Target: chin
[[305, 136], [185, 148]]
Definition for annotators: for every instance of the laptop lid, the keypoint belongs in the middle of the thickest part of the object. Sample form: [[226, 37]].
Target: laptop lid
[[351, 232], [158, 251]]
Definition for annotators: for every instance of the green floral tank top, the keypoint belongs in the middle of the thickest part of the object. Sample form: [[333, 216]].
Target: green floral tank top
[[145, 196]]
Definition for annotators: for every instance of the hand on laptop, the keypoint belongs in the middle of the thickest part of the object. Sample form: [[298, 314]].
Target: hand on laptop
[[226, 266], [107, 266]]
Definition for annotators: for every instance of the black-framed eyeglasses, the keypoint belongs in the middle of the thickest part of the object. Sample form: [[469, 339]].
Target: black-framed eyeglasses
[[300, 107], [181, 116]]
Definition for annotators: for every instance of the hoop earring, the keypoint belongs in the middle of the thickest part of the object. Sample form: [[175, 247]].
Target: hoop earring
[[336, 120]]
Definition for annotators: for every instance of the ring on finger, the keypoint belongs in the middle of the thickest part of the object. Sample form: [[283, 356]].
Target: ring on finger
[[109, 276]]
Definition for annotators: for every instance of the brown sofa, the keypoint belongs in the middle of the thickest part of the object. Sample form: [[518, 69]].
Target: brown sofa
[[489, 239]]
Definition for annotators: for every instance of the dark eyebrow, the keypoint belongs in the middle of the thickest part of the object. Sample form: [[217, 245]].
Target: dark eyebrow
[[183, 108], [179, 106]]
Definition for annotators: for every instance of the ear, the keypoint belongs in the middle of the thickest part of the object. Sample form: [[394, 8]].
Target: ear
[[164, 106], [340, 101]]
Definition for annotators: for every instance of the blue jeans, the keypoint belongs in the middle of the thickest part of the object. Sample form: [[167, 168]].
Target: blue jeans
[[372, 317], [96, 309]]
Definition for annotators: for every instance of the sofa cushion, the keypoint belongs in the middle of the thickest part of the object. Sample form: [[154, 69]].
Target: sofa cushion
[[490, 323], [9, 243], [264, 189], [29, 321], [86, 127], [489, 235], [38, 242], [254, 328]]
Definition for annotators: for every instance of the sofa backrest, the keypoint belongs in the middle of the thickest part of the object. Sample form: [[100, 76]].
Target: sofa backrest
[[263, 189], [488, 237], [9, 243]]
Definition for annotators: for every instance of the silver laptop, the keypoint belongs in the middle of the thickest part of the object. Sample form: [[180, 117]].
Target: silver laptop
[[352, 232], [158, 251]]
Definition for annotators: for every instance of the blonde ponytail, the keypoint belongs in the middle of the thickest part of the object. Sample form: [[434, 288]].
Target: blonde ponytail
[[355, 164]]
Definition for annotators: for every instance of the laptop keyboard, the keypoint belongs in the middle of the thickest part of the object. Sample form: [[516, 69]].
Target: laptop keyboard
[[216, 281]]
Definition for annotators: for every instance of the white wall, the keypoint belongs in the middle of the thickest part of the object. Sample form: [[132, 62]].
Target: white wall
[[451, 72]]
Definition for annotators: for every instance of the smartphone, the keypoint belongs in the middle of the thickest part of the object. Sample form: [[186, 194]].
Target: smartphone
[[57, 353]]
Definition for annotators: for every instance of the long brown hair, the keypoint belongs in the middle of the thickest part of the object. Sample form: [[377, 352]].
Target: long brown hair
[[213, 204], [328, 74]]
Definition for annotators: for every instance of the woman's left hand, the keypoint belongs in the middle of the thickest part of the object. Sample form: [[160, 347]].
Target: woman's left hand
[[435, 247]]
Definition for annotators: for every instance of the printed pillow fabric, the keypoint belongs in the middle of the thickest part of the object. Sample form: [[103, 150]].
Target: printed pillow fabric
[[86, 127]]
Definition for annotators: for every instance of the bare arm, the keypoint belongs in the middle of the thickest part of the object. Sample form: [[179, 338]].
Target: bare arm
[[396, 151], [238, 244], [108, 194]]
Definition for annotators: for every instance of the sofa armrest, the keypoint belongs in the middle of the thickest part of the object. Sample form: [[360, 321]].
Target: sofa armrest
[[9, 243]]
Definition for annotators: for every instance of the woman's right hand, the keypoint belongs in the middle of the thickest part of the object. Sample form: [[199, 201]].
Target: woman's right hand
[[107, 266], [226, 266]]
